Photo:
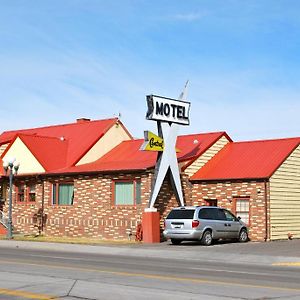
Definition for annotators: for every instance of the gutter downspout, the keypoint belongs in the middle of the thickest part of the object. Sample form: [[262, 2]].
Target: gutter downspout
[[43, 206], [266, 211]]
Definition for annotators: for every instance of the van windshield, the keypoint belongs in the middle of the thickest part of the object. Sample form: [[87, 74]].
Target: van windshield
[[181, 214]]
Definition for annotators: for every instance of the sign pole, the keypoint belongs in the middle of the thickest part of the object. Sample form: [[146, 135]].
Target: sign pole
[[169, 115]]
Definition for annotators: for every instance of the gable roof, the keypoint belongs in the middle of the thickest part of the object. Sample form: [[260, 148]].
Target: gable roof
[[60, 146], [247, 160], [51, 152], [128, 156]]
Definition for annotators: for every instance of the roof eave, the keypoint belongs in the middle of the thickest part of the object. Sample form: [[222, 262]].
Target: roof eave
[[263, 178]]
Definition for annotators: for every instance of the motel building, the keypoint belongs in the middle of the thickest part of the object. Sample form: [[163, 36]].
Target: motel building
[[90, 179]]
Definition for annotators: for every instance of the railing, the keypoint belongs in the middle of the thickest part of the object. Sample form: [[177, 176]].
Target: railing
[[3, 219]]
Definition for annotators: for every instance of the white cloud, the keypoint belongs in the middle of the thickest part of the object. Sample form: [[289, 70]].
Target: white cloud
[[188, 17]]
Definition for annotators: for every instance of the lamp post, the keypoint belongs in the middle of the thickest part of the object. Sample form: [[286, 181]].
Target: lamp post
[[11, 167]]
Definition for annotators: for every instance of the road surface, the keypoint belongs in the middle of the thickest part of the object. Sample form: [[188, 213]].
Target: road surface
[[110, 273]]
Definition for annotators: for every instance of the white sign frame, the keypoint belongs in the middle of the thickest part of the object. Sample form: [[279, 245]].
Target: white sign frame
[[168, 110]]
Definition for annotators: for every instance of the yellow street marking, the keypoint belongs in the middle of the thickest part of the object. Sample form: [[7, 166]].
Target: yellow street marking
[[24, 294], [288, 264], [154, 276]]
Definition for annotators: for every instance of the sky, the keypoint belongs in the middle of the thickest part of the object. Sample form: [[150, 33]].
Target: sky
[[63, 60]]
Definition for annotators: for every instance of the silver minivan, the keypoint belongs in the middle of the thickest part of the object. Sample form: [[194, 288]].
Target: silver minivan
[[203, 223]]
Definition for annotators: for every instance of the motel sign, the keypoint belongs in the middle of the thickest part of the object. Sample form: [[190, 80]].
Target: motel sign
[[168, 110], [169, 115]]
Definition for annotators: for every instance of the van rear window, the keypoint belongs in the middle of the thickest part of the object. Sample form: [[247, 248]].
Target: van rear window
[[181, 214]]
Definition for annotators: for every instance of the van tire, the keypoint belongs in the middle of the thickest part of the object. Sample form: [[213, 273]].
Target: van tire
[[175, 241], [207, 238], [243, 236]]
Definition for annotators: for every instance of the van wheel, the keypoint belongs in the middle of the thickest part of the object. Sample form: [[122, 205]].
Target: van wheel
[[175, 241], [206, 238], [243, 236]]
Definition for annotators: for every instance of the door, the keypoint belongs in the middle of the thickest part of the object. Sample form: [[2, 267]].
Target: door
[[233, 225], [2, 195], [223, 226], [211, 202], [215, 219]]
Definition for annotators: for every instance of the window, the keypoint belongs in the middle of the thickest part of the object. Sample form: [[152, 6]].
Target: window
[[25, 192], [181, 214], [21, 192], [229, 216], [221, 215], [31, 193], [62, 193], [208, 213], [127, 192], [242, 209], [3, 189]]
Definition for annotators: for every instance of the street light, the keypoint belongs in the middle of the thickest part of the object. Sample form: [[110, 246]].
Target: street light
[[11, 167]]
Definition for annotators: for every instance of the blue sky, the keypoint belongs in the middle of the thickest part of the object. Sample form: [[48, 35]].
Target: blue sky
[[60, 60]]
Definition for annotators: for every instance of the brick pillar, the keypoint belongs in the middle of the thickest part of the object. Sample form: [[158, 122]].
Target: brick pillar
[[151, 225]]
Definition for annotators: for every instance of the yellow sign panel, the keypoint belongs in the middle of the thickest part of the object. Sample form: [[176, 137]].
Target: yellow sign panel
[[153, 142]]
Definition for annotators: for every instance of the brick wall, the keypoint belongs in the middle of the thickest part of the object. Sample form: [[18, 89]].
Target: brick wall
[[23, 214], [226, 192], [93, 213]]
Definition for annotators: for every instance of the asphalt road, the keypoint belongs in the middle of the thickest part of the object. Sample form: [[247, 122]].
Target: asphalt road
[[190, 271]]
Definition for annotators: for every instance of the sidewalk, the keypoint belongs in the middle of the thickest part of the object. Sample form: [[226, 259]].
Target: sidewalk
[[251, 253]]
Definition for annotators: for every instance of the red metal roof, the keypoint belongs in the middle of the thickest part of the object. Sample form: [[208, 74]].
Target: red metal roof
[[51, 152], [248, 160], [80, 137], [128, 156]]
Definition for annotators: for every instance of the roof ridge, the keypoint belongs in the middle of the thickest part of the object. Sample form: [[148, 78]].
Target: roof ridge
[[37, 136], [268, 140], [212, 132], [183, 135], [58, 125]]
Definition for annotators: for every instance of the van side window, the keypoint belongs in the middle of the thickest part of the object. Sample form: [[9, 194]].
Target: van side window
[[229, 216], [221, 215], [208, 213]]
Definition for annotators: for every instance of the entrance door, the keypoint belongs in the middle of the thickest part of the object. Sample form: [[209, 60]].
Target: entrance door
[[2, 195], [211, 202]]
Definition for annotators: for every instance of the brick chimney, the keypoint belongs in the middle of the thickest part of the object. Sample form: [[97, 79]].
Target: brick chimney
[[82, 120]]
